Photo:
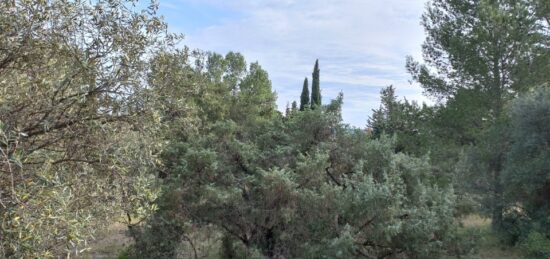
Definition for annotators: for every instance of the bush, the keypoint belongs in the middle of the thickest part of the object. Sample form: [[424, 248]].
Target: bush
[[537, 245]]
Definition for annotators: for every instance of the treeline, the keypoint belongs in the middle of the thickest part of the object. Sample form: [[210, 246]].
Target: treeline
[[103, 119]]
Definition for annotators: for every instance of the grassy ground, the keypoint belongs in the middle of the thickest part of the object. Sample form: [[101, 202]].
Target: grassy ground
[[489, 245]]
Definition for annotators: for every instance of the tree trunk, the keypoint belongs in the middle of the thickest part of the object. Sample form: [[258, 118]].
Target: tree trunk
[[498, 206], [495, 165]]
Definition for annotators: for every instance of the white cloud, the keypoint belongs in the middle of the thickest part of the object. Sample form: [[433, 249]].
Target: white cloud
[[359, 42]]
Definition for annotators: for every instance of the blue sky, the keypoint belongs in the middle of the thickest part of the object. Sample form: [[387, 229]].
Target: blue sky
[[361, 44]]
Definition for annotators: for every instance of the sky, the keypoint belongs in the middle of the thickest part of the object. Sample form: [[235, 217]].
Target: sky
[[361, 44]]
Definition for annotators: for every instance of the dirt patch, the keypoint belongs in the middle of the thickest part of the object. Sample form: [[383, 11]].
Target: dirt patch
[[108, 244]]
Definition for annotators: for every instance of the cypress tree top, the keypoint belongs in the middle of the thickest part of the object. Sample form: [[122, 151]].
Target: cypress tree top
[[315, 86]]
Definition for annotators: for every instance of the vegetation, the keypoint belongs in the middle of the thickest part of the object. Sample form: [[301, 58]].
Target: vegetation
[[103, 119], [315, 86], [304, 97], [76, 131]]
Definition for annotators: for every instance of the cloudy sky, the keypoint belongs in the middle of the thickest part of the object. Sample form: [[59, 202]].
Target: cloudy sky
[[361, 44]]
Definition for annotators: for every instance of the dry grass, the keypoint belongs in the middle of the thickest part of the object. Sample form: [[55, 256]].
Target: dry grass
[[108, 244], [489, 245], [475, 221], [114, 241]]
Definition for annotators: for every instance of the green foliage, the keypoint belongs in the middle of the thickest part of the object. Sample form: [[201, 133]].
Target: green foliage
[[304, 97], [384, 119], [315, 86], [481, 45], [165, 229], [478, 55], [525, 181], [410, 123], [537, 245], [529, 157], [302, 186], [77, 147], [100, 117], [255, 97], [294, 106], [228, 249]]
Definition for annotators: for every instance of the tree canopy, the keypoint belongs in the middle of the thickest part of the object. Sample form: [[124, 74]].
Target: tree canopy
[[104, 118]]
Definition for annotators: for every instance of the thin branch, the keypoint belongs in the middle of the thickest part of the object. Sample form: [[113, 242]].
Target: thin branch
[[332, 176], [192, 245]]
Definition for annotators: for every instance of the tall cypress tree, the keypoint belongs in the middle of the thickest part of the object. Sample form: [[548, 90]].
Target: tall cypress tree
[[315, 88], [304, 98]]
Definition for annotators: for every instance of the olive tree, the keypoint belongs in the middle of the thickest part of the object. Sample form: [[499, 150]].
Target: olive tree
[[74, 116]]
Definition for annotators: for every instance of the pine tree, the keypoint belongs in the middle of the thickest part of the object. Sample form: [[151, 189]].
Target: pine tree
[[383, 119], [304, 98], [485, 49], [315, 87]]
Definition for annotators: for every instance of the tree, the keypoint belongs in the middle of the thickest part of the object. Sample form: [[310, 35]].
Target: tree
[[294, 107], [310, 199], [287, 110], [384, 120], [304, 98], [408, 121], [315, 86], [256, 96], [491, 49], [302, 186], [526, 176], [76, 126]]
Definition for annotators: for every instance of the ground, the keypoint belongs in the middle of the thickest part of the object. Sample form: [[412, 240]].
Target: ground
[[489, 245], [112, 242], [108, 244]]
